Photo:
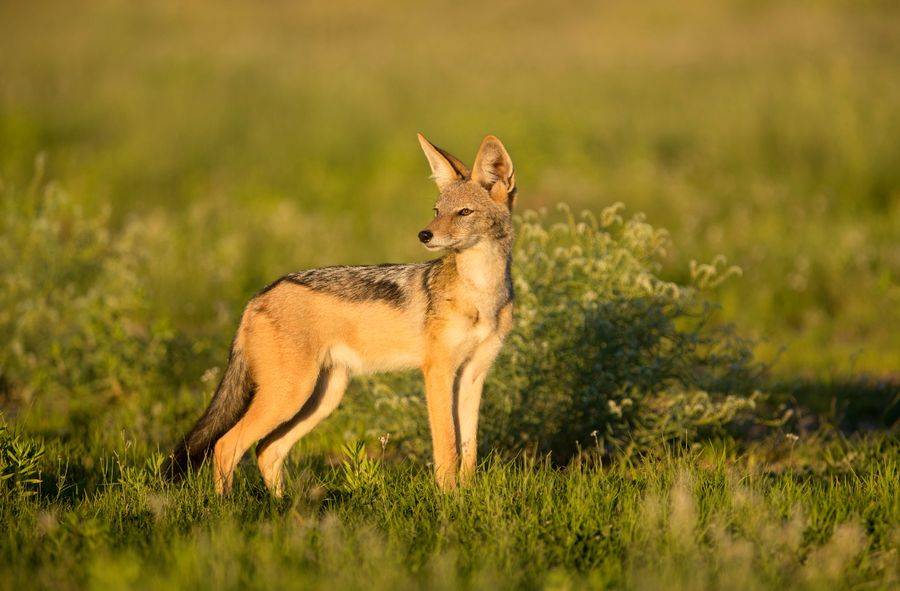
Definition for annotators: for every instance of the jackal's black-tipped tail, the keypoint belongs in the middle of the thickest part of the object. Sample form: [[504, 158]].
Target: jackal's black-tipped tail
[[226, 408]]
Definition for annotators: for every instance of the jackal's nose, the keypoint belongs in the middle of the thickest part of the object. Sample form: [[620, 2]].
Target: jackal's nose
[[425, 236]]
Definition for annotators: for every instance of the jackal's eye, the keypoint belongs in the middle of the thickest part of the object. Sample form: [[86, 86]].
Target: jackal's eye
[[465, 211], [435, 210]]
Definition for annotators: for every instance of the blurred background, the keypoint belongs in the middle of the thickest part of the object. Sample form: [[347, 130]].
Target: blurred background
[[234, 142]]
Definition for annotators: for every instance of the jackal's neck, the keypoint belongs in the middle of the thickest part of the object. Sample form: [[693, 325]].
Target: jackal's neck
[[485, 267]]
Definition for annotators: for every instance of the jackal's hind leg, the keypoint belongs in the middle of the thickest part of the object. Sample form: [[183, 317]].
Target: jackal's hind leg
[[279, 396], [271, 451]]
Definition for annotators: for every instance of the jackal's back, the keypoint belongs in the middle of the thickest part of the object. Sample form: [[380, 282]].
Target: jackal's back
[[398, 285]]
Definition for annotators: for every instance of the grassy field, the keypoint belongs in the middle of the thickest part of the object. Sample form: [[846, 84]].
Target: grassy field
[[704, 395], [706, 520]]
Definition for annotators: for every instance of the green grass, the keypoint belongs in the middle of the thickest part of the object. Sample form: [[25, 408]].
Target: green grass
[[812, 515]]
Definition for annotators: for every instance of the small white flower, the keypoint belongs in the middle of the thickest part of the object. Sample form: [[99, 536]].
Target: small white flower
[[614, 408], [210, 375]]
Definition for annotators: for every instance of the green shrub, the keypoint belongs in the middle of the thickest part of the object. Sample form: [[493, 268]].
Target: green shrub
[[603, 348], [74, 319]]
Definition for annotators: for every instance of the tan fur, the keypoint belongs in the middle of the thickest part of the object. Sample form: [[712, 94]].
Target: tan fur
[[448, 318]]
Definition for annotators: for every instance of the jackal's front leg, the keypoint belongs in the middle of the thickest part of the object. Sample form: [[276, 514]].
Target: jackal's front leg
[[469, 401], [439, 384], [470, 384]]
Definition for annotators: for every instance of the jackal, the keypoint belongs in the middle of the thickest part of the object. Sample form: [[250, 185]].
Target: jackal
[[302, 337]]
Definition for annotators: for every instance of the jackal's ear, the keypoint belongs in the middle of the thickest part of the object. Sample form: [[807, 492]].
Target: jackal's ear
[[493, 170], [445, 168]]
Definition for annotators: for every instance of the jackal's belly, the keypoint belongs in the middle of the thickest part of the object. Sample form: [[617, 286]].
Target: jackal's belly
[[386, 342], [372, 361]]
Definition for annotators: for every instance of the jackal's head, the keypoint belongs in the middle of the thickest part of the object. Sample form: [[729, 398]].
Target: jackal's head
[[473, 205]]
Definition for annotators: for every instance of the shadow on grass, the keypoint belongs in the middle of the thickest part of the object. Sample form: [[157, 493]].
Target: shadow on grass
[[852, 404]]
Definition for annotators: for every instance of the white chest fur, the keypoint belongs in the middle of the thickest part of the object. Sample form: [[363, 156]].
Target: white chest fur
[[482, 269], [482, 287]]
